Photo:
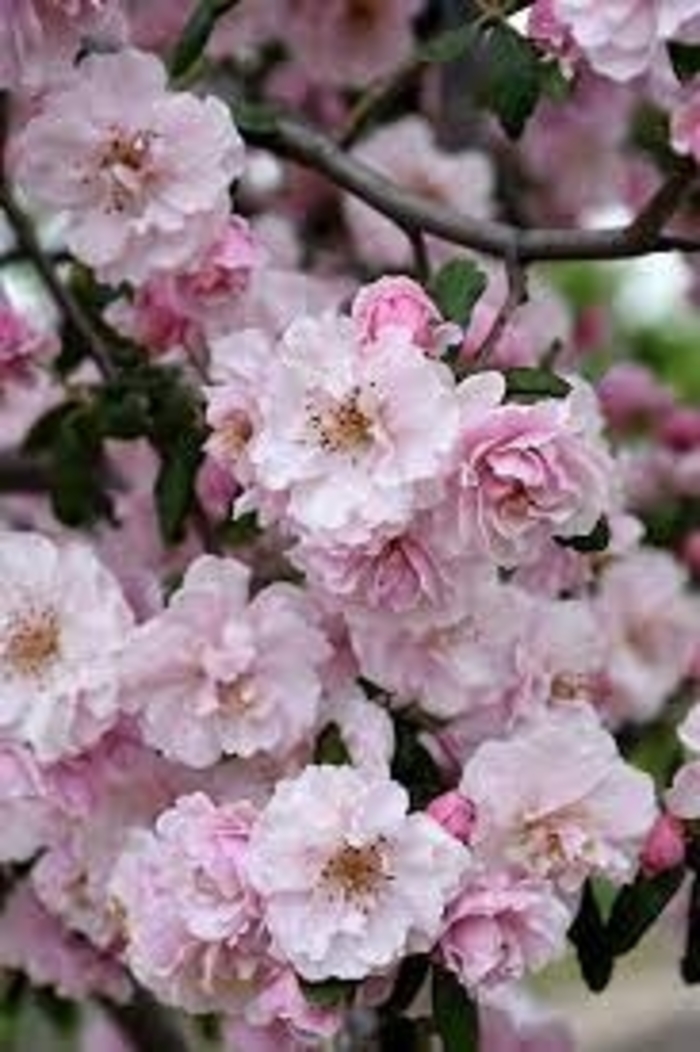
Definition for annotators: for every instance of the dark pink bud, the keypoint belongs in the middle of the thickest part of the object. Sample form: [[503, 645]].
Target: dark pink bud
[[665, 846], [681, 429], [455, 813]]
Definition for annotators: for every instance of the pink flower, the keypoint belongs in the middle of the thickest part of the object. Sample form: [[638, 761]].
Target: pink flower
[[346, 42], [455, 814], [26, 812], [141, 176], [98, 1034], [631, 396], [22, 348], [557, 799], [211, 675], [63, 622], [398, 302], [502, 927], [190, 918], [650, 624], [621, 38], [357, 884], [39, 39], [528, 472], [405, 152], [664, 847], [34, 942], [349, 434]]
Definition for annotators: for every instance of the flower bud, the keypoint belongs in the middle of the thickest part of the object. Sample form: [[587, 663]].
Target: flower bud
[[455, 813], [664, 847]]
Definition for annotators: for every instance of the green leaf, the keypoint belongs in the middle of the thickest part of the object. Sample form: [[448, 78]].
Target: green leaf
[[690, 964], [456, 287], [411, 975], [398, 1034], [589, 935], [449, 45], [413, 766], [456, 1014], [638, 907], [195, 36], [330, 747], [531, 383], [175, 488], [598, 540], [685, 59], [77, 473], [332, 993], [513, 78], [241, 531]]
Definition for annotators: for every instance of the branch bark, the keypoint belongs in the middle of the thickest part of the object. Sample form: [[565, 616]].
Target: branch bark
[[295, 140]]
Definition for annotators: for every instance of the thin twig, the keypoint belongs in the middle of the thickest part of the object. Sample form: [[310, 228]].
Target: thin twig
[[69, 307], [298, 141], [516, 295]]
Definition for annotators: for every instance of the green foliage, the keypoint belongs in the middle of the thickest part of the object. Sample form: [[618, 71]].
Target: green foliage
[[685, 59], [531, 384], [456, 1015], [638, 906], [456, 288], [513, 79], [332, 993], [330, 747], [413, 766], [195, 36], [589, 935]]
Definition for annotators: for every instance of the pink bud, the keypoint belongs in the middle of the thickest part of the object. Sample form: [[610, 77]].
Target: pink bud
[[681, 429], [455, 813], [664, 847]]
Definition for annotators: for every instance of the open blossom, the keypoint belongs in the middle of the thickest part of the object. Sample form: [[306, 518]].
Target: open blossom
[[357, 884], [501, 927], [36, 943], [650, 624], [63, 623], [22, 348], [620, 38], [216, 674], [350, 433], [142, 175], [527, 472], [26, 812], [190, 917], [406, 153], [557, 799]]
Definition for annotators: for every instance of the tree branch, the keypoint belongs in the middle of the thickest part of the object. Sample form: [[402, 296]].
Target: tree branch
[[297, 141]]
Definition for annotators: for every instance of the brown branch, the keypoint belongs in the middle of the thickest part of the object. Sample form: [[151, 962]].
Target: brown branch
[[516, 295], [147, 1025], [29, 244], [291, 138]]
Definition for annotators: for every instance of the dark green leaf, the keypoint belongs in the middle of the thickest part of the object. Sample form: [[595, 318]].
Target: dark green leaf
[[195, 36], [685, 59], [175, 488], [638, 907], [449, 45], [530, 383], [330, 747], [238, 532], [456, 1015], [456, 287], [589, 935], [690, 964], [598, 540], [398, 1034], [329, 994], [513, 78], [252, 117], [44, 433], [409, 980], [77, 472], [413, 766]]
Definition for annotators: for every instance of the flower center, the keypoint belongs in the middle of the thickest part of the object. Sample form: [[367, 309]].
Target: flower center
[[356, 873], [343, 427], [33, 643], [126, 162], [237, 697], [362, 14]]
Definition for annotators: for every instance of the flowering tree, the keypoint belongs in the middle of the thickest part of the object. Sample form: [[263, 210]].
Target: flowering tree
[[348, 643]]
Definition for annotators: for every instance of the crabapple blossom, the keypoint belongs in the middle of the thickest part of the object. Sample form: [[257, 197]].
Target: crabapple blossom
[[350, 433], [141, 176], [527, 472], [22, 348], [210, 676], [406, 153], [557, 799], [398, 302], [190, 917], [27, 815], [63, 624], [454, 813], [357, 885], [502, 926]]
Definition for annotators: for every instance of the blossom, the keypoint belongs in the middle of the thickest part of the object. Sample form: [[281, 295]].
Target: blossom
[[34, 942], [502, 926], [22, 348], [348, 434], [398, 302], [25, 808], [685, 126], [190, 918], [528, 472], [215, 674], [664, 847], [557, 799], [454, 813], [406, 153], [650, 624], [621, 37], [359, 882], [142, 176], [63, 623]]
